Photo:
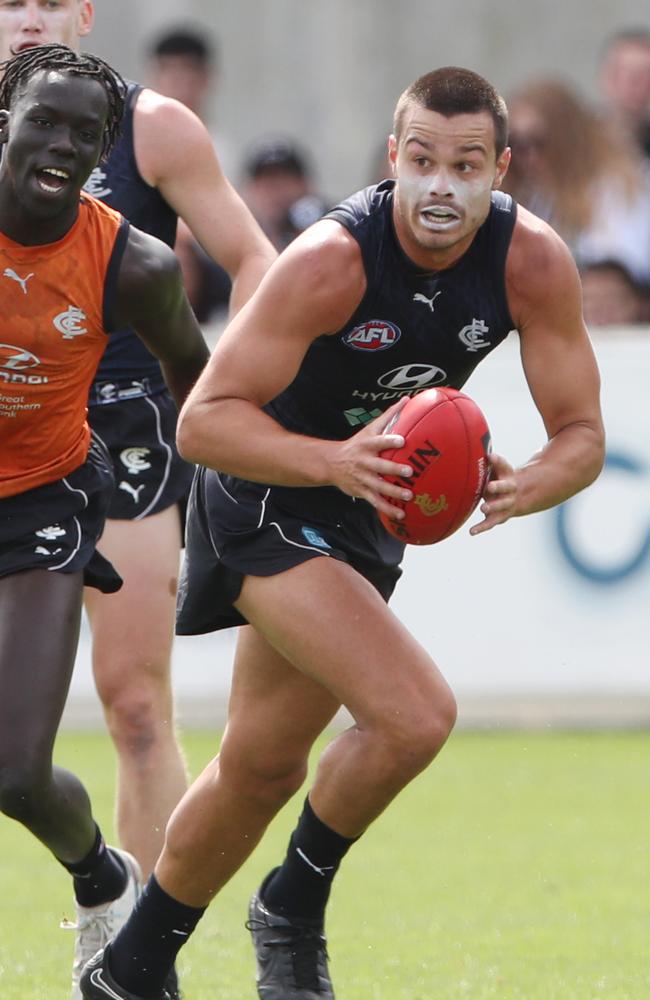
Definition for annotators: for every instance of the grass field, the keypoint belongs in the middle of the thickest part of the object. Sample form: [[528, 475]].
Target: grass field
[[517, 867]]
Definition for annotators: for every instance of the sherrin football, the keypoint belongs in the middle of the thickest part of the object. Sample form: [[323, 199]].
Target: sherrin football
[[447, 444]]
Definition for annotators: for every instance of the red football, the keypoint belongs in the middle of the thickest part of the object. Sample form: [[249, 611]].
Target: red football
[[446, 443]]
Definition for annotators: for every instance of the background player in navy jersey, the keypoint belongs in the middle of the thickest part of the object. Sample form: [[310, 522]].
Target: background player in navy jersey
[[72, 270], [163, 166], [286, 537]]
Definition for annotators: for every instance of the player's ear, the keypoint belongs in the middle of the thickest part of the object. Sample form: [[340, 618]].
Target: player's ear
[[392, 152], [503, 162], [85, 18], [4, 126]]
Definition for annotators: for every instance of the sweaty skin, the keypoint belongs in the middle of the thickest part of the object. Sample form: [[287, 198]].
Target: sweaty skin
[[446, 172], [324, 268], [292, 671], [45, 178]]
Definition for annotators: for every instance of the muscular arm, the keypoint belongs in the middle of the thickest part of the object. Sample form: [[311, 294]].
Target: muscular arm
[[175, 153], [312, 289], [561, 371], [152, 300]]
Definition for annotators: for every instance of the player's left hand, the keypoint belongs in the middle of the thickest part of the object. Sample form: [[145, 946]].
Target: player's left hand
[[499, 497]]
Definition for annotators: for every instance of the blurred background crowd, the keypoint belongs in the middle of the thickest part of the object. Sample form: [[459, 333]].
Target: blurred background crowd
[[581, 161]]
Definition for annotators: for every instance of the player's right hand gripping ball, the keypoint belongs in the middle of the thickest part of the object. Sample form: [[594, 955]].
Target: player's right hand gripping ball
[[447, 444]]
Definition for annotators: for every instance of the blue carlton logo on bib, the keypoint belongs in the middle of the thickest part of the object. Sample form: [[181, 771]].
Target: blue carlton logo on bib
[[315, 538]]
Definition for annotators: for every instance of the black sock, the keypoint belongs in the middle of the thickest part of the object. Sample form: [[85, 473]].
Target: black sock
[[301, 887], [99, 877], [143, 952]]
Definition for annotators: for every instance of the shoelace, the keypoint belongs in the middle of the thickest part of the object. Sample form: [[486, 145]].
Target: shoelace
[[103, 928], [307, 946], [96, 927]]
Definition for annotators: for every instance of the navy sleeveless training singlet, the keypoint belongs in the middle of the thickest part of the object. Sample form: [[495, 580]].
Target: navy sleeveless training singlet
[[118, 183], [413, 330]]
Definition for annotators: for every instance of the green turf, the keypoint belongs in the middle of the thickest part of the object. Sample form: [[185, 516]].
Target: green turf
[[516, 868]]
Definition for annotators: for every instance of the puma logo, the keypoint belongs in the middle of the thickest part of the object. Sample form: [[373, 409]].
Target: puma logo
[[419, 297], [10, 273], [133, 490]]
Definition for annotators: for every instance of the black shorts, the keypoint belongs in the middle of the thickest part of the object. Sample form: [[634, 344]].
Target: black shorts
[[236, 528], [57, 526], [139, 434]]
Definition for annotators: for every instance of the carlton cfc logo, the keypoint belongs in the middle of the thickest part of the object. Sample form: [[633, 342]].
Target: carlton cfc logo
[[375, 335], [69, 323]]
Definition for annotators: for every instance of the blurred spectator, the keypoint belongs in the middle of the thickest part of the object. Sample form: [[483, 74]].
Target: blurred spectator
[[182, 63], [278, 189], [625, 83], [577, 172], [303, 213], [611, 297]]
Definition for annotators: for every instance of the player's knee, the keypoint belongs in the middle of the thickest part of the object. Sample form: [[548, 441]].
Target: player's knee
[[414, 740], [277, 787], [433, 732], [139, 719], [21, 793], [268, 781]]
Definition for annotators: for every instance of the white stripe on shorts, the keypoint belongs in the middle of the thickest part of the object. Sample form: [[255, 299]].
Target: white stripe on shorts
[[75, 489], [143, 513], [75, 549]]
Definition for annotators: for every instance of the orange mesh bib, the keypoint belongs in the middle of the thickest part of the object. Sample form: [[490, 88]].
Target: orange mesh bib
[[51, 339]]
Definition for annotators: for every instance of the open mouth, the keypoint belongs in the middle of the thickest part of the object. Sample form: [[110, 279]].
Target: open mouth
[[52, 179], [439, 215]]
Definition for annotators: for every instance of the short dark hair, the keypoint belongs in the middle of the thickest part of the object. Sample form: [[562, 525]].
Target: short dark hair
[[20, 70], [451, 91], [275, 153], [183, 42]]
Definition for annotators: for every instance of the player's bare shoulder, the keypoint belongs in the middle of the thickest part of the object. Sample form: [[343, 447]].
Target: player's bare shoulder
[[149, 269], [540, 270], [152, 109], [168, 137], [329, 256], [322, 270]]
